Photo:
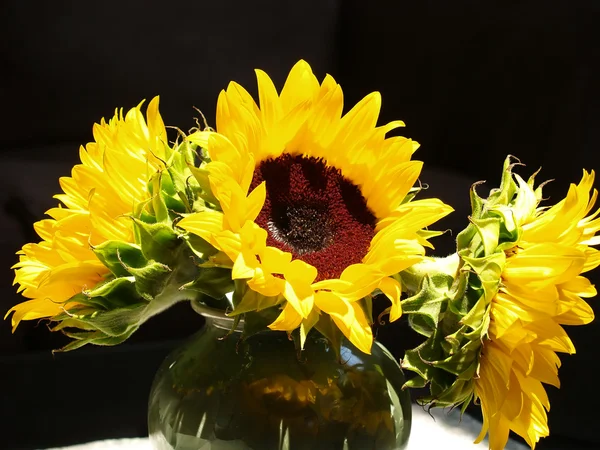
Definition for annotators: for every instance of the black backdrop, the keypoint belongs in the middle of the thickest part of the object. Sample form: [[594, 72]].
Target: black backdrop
[[473, 81]]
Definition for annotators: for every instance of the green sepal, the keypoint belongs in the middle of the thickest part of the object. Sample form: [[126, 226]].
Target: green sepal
[[430, 301], [416, 382], [159, 207], [461, 300], [420, 359], [474, 317], [489, 231], [449, 359], [201, 176], [118, 306], [448, 395], [181, 177], [115, 322], [508, 187], [462, 364], [509, 231], [95, 338], [464, 239], [421, 325], [117, 255], [151, 279], [215, 283], [113, 292], [201, 248], [157, 241]]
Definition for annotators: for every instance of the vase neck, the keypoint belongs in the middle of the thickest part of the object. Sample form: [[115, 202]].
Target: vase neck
[[217, 318]]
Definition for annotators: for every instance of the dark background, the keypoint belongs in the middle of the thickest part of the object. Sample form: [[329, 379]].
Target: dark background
[[473, 80]]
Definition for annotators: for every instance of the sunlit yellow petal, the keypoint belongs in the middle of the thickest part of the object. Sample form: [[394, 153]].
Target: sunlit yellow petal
[[349, 317], [97, 201], [289, 319]]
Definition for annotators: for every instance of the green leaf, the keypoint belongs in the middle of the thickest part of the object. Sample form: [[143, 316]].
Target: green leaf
[[184, 183], [88, 302]]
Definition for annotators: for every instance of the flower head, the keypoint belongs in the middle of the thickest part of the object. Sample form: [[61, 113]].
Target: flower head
[[110, 257], [96, 202], [314, 206], [541, 288], [516, 279]]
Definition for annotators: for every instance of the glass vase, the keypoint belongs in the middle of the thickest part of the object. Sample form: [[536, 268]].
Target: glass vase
[[219, 392]]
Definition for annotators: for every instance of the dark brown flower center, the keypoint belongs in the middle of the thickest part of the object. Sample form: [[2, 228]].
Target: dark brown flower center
[[315, 213]]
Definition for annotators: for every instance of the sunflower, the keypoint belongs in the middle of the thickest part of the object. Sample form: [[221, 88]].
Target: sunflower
[[541, 288], [313, 206], [96, 203]]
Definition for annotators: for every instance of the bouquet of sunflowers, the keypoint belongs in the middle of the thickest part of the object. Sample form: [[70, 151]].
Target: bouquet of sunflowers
[[291, 216]]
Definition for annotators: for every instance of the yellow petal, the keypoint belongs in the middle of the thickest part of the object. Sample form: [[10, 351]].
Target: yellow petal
[[300, 295], [298, 270], [288, 320], [543, 264], [270, 106], [349, 318], [200, 138], [265, 283], [205, 224], [244, 266], [300, 85], [307, 325], [274, 260], [393, 290]]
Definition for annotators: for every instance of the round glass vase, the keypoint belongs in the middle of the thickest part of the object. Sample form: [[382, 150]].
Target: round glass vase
[[218, 392]]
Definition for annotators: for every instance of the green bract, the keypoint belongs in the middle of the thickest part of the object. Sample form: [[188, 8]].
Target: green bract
[[451, 298], [164, 266]]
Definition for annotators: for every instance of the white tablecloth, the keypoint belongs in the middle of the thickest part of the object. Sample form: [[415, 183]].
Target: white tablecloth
[[443, 430]]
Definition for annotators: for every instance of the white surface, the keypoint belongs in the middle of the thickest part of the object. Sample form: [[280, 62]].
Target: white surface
[[443, 430]]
